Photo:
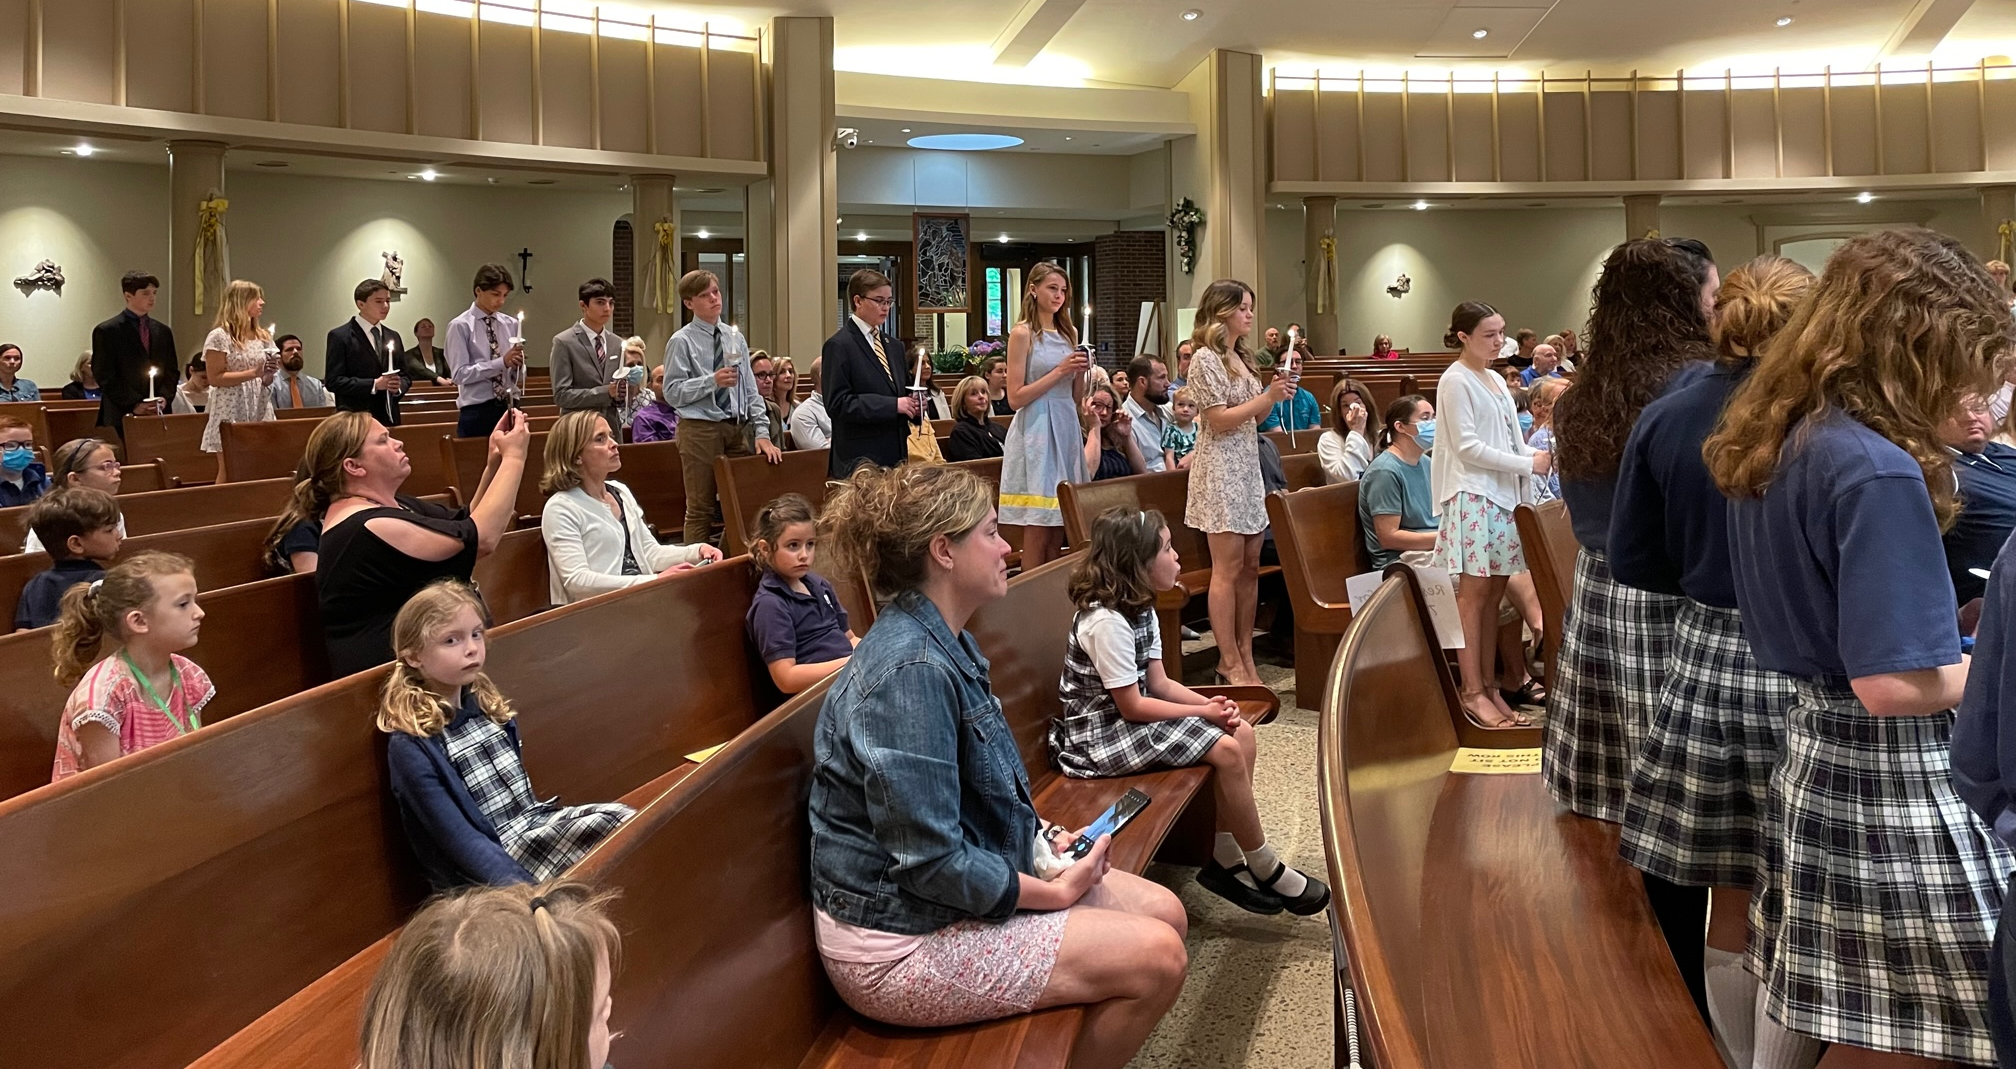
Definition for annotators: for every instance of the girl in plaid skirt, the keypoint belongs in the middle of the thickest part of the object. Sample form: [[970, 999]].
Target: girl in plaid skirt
[[457, 774], [1693, 815], [1879, 890], [1123, 714]]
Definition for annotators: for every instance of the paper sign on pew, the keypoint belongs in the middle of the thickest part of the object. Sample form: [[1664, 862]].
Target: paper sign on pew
[[1436, 589]]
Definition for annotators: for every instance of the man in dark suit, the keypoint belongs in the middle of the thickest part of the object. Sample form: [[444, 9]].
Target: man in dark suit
[[359, 352], [125, 347], [863, 382]]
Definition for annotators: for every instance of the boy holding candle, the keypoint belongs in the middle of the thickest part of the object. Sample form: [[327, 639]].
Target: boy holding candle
[[364, 358], [708, 381]]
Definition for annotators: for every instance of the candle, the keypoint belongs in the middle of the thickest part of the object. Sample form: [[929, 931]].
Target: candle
[[919, 383], [390, 367], [1088, 325], [152, 393]]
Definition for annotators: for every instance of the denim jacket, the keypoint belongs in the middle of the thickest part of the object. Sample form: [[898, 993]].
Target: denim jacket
[[921, 813]]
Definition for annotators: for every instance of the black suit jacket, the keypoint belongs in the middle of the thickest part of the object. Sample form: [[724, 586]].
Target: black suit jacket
[[353, 364], [861, 400], [120, 364]]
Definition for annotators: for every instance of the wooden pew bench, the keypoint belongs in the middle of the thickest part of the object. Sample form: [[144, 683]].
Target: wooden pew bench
[[1549, 538], [1317, 535], [650, 470], [271, 850], [1476, 922], [175, 443], [225, 554], [171, 510]]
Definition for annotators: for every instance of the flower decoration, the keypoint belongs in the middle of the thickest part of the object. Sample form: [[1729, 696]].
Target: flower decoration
[[1184, 221]]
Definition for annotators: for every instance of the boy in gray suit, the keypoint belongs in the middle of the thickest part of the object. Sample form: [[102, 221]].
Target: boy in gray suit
[[587, 354]]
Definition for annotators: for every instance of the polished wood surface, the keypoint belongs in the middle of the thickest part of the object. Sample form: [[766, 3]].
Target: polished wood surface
[[1319, 541], [513, 578], [650, 470], [175, 443], [1549, 536], [1483, 925], [170, 510], [139, 478], [1296, 444], [1302, 470], [314, 414], [66, 423], [226, 554], [287, 858], [746, 484]]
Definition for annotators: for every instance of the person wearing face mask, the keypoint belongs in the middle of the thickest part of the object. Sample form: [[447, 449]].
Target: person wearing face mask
[[293, 387], [12, 386], [22, 478], [1396, 498]]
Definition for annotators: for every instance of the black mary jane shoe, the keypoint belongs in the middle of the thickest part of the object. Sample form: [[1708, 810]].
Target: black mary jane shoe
[[1312, 900], [1226, 884]]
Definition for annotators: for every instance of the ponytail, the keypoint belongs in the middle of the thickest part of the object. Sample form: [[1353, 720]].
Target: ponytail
[[92, 611], [79, 633]]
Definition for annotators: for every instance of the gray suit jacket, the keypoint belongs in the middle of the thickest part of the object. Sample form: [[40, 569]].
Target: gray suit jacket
[[580, 381]]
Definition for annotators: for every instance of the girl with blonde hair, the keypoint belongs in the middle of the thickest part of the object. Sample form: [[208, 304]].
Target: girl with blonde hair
[[497, 978], [1694, 812], [1878, 892], [456, 762], [1046, 388], [145, 693], [1226, 499], [238, 358], [594, 529]]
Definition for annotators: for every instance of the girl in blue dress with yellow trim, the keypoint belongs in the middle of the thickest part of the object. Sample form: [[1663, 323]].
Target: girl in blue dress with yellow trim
[[1046, 443]]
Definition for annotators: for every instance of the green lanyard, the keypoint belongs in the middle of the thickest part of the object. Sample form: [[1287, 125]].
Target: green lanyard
[[174, 684]]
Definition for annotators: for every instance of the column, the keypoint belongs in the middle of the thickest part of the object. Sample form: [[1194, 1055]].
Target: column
[[759, 239], [652, 202], [1223, 169], [804, 202], [1319, 221], [1998, 208], [195, 173], [1641, 216]]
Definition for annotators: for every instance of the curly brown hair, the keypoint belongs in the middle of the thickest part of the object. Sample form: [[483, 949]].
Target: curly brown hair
[[1901, 324], [1645, 322], [1114, 571]]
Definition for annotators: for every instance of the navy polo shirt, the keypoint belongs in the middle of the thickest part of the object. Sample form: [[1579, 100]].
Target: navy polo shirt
[[1984, 730], [42, 596], [1838, 568], [1987, 515], [1590, 501], [1669, 533], [808, 628]]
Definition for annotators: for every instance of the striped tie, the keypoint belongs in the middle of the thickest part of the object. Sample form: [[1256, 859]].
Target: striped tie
[[875, 342]]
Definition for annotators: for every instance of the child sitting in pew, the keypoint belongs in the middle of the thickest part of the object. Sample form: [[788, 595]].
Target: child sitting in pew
[[492, 971], [81, 462], [81, 529], [144, 694], [795, 619], [1123, 715], [456, 769]]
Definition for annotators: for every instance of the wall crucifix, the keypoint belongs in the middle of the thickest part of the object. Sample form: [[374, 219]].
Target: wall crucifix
[[525, 270]]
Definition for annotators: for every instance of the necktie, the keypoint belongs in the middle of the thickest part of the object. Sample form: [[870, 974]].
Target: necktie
[[721, 396], [146, 336], [377, 342], [490, 332], [875, 342], [294, 391]]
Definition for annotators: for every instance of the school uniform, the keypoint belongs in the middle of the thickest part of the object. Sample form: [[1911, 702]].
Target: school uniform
[[1987, 515], [41, 600], [1879, 892], [1984, 771], [1089, 737], [1694, 814], [808, 628]]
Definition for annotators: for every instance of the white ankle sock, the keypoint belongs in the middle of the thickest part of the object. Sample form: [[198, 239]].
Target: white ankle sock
[[1779, 1047], [1263, 862], [1225, 851], [1732, 1005]]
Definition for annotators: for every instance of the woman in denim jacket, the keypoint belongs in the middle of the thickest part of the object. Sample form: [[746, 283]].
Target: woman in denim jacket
[[928, 910]]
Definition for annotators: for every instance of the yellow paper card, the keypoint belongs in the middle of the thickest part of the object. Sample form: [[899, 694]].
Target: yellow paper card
[[699, 757], [1482, 762]]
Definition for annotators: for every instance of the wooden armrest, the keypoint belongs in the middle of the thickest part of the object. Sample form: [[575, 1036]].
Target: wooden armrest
[[1248, 697]]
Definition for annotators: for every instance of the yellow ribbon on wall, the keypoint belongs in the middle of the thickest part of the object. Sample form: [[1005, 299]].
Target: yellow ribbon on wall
[[2007, 232], [662, 277], [1326, 270], [210, 248]]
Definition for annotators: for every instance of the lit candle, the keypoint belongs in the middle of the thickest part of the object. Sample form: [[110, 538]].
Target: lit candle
[[919, 383], [390, 367], [152, 393], [1088, 325]]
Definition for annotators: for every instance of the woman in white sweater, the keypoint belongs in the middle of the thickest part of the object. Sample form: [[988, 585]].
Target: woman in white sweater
[[1481, 465], [1344, 450], [596, 540]]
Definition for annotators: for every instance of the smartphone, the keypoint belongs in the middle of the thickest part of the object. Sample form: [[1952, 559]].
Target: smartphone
[[1110, 822]]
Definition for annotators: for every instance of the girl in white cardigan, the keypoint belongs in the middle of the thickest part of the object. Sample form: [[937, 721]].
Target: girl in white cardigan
[[596, 540], [1481, 464]]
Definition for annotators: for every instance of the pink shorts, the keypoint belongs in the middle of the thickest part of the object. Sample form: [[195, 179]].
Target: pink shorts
[[971, 970]]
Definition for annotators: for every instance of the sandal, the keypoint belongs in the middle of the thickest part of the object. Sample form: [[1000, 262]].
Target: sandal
[[1499, 721]]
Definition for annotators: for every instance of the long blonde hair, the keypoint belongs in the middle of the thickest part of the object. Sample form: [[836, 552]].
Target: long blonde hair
[[318, 478], [94, 612], [1061, 322], [1220, 300], [234, 311], [407, 704], [493, 976], [1901, 324]]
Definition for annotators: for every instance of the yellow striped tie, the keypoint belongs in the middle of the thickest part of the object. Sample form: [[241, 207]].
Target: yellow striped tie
[[875, 342]]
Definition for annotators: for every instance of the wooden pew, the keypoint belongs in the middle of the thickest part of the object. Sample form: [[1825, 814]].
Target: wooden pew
[[282, 816], [1476, 921], [226, 554], [315, 414], [746, 484], [175, 443], [68, 423], [1303, 470], [1300, 442], [139, 478], [1549, 539], [173, 510], [650, 469], [513, 578], [1317, 536]]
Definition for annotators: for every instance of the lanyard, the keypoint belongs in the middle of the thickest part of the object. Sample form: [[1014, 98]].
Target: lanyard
[[174, 684]]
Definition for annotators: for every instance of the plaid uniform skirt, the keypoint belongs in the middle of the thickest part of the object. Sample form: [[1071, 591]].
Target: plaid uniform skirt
[[1880, 889], [1614, 646], [1695, 810], [545, 837], [1089, 738]]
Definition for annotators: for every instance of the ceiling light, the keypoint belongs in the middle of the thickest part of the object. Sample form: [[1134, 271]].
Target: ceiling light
[[1785, 20], [1067, 137], [1864, 198], [965, 142], [1003, 239], [84, 149], [863, 236], [1480, 34], [429, 175], [906, 129], [1191, 15], [1420, 205]]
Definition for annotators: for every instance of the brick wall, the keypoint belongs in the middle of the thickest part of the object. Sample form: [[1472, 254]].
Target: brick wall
[[1129, 267], [623, 272]]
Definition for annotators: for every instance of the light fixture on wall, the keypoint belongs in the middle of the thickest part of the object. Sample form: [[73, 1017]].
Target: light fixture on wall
[[429, 175], [1003, 239], [1192, 15], [1480, 34], [862, 236], [85, 149], [1864, 197], [702, 235], [1784, 20], [1420, 205]]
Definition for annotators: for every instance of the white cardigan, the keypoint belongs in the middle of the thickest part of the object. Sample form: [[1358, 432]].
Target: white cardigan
[[1344, 459], [584, 545], [1478, 449]]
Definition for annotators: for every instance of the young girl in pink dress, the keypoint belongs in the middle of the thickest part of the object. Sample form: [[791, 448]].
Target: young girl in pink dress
[[144, 693]]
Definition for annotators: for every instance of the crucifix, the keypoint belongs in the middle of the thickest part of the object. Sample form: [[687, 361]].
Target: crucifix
[[524, 269]]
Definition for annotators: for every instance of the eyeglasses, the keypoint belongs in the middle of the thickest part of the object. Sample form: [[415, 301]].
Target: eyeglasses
[[885, 302], [1975, 408], [12, 447], [110, 467]]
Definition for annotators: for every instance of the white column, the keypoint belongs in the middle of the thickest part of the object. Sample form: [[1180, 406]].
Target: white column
[[652, 202], [195, 170], [804, 203]]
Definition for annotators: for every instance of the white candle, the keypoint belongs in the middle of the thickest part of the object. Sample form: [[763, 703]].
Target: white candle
[[919, 384], [389, 366], [152, 393], [1088, 325]]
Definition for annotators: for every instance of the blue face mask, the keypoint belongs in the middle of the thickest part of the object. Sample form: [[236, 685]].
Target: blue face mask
[[16, 458], [1424, 434], [1525, 423]]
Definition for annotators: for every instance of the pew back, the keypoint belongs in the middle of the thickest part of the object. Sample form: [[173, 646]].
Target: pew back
[[169, 510], [1549, 536], [746, 484], [225, 554], [175, 442]]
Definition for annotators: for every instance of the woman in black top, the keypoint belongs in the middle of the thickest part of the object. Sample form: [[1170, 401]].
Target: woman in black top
[[974, 435], [1110, 449], [379, 547]]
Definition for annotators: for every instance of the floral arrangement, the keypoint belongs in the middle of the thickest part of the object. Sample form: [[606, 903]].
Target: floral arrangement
[[1184, 221], [966, 358]]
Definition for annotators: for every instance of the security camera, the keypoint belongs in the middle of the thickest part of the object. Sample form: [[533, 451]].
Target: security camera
[[846, 137]]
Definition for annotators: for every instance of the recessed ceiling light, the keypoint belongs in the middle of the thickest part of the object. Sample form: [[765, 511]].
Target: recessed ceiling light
[[702, 235], [84, 149], [1480, 34], [1067, 137], [429, 175], [906, 129], [863, 236], [1420, 205], [1864, 198], [965, 142], [1191, 15], [1003, 239], [1785, 20]]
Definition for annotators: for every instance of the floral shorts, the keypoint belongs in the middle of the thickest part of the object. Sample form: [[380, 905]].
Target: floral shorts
[[1477, 537], [971, 970]]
